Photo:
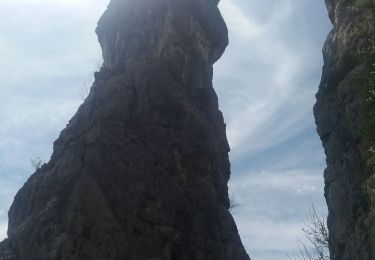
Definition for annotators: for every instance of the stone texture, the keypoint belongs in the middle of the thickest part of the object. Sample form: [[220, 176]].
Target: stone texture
[[340, 119], [141, 170]]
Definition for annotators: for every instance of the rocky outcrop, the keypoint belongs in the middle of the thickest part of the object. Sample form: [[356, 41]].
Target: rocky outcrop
[[345, 116], [141, 170]]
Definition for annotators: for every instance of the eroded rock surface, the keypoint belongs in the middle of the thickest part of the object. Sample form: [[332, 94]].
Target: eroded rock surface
[[345, 117], [141, 170]]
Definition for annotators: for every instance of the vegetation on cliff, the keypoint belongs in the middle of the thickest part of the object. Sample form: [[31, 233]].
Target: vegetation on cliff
[[361, 4], [364, 79]]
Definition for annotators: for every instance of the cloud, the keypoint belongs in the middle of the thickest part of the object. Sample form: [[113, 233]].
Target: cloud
[[272, 207], [239, 23], [268, 79], [266, 82]]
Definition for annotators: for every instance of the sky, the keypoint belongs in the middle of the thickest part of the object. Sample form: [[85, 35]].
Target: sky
[[266, 82]]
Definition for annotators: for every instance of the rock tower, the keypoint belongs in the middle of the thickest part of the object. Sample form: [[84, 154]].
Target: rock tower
[[141, 170], [345, 115]]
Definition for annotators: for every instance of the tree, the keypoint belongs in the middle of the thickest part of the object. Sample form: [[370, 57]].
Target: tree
[[37, 163], [317, 235]]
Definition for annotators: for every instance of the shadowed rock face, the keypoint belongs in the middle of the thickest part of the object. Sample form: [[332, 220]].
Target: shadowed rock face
[[345, 116], [141, 170]]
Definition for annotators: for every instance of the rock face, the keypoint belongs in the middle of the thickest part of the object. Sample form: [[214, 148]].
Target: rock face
[[345, 116], [141, 170]]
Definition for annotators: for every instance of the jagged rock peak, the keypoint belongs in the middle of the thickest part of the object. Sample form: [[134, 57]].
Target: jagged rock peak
[[345, 116], [141, 170]]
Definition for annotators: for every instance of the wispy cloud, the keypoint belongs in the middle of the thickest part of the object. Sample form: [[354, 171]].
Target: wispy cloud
[[266, 82], [239, 23], [268, 86]]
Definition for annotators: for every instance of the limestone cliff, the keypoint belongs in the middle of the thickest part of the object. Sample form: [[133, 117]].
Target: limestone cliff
[[345, 116], [141, 170]]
